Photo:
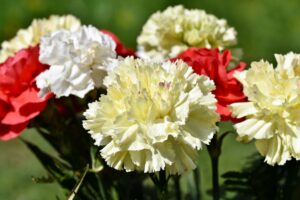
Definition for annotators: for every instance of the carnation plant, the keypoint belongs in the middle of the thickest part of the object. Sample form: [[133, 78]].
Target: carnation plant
[[129, 124]]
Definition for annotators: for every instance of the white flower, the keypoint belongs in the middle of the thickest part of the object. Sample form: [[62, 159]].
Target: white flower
[[154, 117], [168, 33], [78, 61], [272, 113], [31, 36]]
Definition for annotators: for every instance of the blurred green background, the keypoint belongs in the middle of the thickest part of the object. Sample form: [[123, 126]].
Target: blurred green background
[[264, 28]]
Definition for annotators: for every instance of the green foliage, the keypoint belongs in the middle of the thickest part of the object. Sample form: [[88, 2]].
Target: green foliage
[[259, 180]]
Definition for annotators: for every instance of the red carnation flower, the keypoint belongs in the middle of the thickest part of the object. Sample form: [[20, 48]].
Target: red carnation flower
[[120, 49], [214, 64], [19, 101]]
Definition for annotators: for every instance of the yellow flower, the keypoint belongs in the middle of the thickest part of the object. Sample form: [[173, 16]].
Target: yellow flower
[[154, 117], [272, 113], [168, 33], [31, 36]]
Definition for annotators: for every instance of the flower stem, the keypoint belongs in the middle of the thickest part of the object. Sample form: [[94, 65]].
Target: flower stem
[[161, 184], [214, 150], [214, 153], [215, 177], [177, 187], [163, 189], [197, 183]]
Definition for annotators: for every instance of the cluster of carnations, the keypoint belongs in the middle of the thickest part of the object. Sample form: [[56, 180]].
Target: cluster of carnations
[[161, 103]]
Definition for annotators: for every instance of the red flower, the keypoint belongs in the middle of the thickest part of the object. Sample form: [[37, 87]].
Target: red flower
[[19, 101], [214, 64], [120, 49]]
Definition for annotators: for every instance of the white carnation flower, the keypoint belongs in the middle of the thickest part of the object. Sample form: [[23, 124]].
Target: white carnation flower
[[31, 36], [168, 33], [78, 61], [154, 117]]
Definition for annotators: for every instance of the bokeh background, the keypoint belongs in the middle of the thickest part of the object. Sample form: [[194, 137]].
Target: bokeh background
[[264, 28]]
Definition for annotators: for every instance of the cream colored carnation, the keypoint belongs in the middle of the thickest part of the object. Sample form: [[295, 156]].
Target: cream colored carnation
[[79, 60], [168, 33], [289, 64], [154, 117], [272, 113], [31, 36]]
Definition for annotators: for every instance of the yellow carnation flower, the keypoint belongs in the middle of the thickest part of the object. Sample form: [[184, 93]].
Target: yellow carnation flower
[[272, 113], [168, 33], [154, 117], [31, 36]]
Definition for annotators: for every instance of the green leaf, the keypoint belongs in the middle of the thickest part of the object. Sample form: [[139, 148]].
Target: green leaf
[[57, 168]]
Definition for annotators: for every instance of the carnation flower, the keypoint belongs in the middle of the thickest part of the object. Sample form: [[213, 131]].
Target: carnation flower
[[19, 101], [215, 66], [78, 61], [31, 36], [289, 64], [154, 117], [272, 113], [168, 33]]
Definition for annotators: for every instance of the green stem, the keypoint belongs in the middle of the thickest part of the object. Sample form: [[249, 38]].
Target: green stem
[[177, 187], [214, 153], [197, 183], [163, 189], [214, 150], [215, 177], [161, 184]]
